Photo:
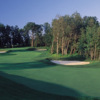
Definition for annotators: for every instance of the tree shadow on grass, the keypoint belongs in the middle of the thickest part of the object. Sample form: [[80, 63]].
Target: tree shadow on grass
[[22, 50], [11, 52], [7, 54], [27, 65], [21, 88], [17, 50]]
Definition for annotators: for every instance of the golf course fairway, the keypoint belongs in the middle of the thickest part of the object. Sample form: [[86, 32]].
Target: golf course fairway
[[32, 70]]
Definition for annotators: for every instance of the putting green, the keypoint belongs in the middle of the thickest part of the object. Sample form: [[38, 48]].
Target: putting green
[[31, 69]]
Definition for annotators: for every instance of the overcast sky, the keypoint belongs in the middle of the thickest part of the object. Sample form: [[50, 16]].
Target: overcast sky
[[19, 12]]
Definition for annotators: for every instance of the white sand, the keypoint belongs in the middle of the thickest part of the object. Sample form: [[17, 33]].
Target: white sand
[[41, 49], [70, 62], [2, 51]]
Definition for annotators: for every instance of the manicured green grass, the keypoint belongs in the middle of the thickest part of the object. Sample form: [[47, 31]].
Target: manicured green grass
[[40, 79], [10, 90]]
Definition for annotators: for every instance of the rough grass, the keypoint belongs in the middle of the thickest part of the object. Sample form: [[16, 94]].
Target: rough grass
[[68, 57], [28, 75]]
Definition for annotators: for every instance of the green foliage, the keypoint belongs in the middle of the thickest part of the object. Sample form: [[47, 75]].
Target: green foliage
[[89, 42], [68, 57], [34, 32], [67, 35], [74, 34]]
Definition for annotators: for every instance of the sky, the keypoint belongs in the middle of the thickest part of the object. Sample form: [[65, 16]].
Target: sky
[[20, 12]]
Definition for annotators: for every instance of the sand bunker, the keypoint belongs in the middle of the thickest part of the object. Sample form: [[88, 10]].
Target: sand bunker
[[41, 49], [2, 51], [70, 62]]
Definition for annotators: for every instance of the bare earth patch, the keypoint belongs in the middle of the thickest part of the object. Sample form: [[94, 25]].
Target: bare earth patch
[[70, 62]]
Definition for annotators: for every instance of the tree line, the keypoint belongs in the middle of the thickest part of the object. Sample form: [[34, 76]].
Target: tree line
[[67, 34], [32, 34], [74, 34]]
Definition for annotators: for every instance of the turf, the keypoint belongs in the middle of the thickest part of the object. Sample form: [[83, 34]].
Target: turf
[[39, 79]]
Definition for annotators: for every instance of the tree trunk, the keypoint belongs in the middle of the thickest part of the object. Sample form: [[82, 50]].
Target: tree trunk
[[62, 45], [32, 42], [91, 54], [52, 47], [67, 47], [95, 52], [71, 51], [63, 41], [65, 53], [74, 50], [57, 46]]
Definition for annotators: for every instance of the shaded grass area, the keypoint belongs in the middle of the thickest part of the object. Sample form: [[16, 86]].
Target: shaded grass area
[[28, 67], [10, 90], [14, 91]]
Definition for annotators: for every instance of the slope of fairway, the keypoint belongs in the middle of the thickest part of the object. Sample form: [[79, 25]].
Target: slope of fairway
[[10, 90], [31, 69]]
